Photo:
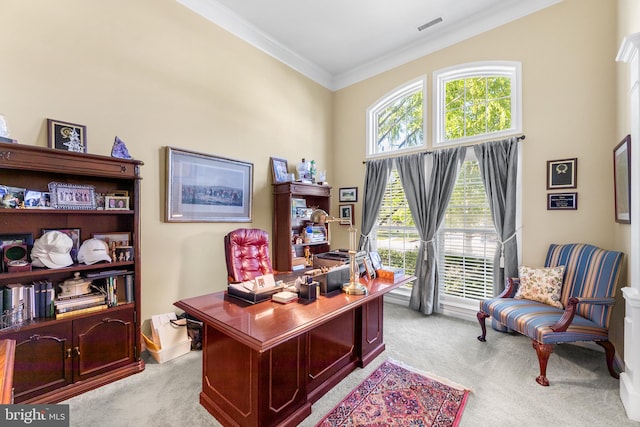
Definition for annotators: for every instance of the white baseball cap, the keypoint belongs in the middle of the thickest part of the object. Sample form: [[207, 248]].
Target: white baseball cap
[[52, 250], [93, 250]]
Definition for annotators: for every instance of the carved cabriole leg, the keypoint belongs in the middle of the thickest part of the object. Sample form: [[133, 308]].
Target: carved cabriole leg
[[610, 353], [543, 351], [481, 316]]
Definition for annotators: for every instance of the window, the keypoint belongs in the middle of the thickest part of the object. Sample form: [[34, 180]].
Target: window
[[396, 122], [396, 238], [467, 239], [477, 101]]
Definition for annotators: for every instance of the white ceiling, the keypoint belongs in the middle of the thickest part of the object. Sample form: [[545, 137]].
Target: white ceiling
[[340, 42]]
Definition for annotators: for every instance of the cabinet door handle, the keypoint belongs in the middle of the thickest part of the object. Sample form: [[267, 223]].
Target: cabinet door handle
[[77, 350], [34, 337], [69, 353]]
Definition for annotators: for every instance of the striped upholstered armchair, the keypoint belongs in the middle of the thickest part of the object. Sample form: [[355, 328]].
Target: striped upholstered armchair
[[578, 309]]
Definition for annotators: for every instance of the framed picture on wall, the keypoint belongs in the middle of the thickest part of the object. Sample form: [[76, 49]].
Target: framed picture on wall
[[562, 174], [205, 188], [621, 178]]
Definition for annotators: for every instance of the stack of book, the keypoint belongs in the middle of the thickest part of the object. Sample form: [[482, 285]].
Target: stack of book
[[20, 303], [79, 304]]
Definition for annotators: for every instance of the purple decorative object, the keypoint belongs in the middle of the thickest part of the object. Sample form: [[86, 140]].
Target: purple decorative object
[[119, 149]]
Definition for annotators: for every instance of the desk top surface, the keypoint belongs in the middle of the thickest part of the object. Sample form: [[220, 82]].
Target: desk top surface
[[265, 325]]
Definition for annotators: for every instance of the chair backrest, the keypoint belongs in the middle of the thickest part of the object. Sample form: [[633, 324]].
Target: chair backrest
[[247, 254], [590, 272]]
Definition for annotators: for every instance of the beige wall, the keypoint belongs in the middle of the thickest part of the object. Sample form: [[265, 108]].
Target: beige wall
[[569, 110], [156, 74]]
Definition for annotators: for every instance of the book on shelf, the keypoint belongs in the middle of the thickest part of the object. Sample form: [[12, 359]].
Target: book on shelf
[[85, 310], [79, 300]]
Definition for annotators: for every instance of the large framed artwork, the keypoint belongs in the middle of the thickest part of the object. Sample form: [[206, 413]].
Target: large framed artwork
[[205, 188], [621, 178]]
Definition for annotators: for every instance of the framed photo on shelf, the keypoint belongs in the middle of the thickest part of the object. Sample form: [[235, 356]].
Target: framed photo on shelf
[[622, 180], [74, 234], [279, 170], [346, 214], [67, 136], [562, 201], [205, 188], [562, 174], [348, 194], [72, 196], [116, 203], [114, 238]]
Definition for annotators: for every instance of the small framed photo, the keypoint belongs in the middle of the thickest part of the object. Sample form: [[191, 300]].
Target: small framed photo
[[11, 197], [67, 136], [371, 271], [279, 170], [74, 234], [72, 196], [621, 179], [562, 174], [114, 239], [346, 214], [348, 194], [376, 261], [116, 203], [32, 199], [562, 201]]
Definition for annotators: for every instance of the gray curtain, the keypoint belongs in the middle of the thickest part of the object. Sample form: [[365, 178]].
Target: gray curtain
[[498, 162], [428, 200], [375, 182]]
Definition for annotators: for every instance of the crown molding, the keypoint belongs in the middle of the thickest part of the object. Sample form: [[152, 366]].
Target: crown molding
[[236, 25]]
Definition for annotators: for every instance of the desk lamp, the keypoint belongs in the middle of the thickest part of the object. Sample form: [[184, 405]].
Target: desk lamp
[[354, 287]]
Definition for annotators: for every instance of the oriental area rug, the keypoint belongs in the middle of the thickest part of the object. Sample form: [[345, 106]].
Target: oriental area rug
[[396, 395]]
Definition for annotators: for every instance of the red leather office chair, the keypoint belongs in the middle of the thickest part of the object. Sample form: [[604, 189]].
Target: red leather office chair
[[247, 254]]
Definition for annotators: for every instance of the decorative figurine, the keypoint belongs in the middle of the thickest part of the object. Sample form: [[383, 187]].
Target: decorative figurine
[[119, 149]]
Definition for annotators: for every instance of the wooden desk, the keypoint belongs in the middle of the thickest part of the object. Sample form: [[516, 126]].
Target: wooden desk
[[7, 357], [265, 364]]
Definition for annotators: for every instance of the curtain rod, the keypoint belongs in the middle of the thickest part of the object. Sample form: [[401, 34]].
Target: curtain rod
[[520, 138]]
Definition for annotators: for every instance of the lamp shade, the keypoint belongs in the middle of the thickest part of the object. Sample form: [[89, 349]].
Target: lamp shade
[[319, 216]]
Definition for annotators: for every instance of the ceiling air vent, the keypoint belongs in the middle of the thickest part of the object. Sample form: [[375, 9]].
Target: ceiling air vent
[[429, 24]]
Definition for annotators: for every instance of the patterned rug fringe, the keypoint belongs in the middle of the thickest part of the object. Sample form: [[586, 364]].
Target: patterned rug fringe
[[438, 378]]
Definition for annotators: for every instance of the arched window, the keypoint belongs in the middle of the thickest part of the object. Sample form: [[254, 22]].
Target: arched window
[[395, 122], [476, 101]]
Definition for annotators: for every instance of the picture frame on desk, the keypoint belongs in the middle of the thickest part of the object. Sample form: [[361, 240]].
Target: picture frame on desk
[[205, 188], [67, 136]]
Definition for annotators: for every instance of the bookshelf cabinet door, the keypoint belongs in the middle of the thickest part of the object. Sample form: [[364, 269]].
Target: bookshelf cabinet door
[[43, 360], [103, 342]]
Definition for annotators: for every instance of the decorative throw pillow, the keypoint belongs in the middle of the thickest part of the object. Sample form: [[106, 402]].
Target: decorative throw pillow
[[541, 284]]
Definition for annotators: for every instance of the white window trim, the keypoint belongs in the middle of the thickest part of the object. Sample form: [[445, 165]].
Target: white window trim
[[511, 69], [372, 125]]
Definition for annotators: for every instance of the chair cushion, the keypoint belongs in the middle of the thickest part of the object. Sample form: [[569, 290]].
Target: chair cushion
[[535, 319], [541, 284]]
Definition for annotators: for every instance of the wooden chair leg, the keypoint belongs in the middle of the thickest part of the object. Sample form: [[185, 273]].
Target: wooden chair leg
[[543, 351], [481, 316], [610, 353]]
